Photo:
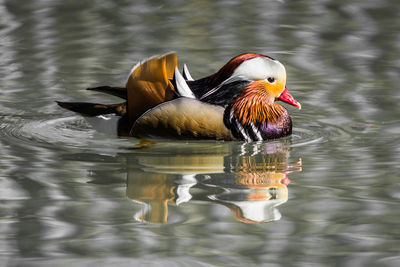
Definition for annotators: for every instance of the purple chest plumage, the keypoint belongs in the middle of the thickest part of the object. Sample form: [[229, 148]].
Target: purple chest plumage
[[270, 130], [258, 131]]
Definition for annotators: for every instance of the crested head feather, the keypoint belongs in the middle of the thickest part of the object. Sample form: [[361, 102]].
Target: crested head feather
[[263, 69], [251, 66], [229, 68], [242, 70]]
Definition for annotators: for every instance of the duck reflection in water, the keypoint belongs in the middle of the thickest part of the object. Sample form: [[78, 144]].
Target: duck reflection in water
[[251, 182]]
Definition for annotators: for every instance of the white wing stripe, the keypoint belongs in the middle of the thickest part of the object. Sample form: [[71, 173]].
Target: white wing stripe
[[181, 86], [186, 73]]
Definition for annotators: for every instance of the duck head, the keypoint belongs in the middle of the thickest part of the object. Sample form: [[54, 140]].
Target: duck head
[[248, 86], [226, 84]]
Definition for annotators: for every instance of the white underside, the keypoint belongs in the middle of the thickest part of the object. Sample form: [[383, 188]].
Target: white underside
[[107, 124]]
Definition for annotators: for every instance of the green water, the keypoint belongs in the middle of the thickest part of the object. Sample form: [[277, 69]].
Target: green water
[[326, 196]]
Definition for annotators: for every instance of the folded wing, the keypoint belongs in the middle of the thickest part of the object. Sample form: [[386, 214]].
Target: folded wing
[[182, 118], [148, 84]]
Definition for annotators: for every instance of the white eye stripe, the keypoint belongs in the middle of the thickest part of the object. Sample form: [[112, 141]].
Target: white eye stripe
[[261, 68]]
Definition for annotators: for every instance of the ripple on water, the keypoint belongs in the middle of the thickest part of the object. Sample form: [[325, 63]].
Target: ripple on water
[[76, 132], [303, 137], [67, 132], [317, 133]]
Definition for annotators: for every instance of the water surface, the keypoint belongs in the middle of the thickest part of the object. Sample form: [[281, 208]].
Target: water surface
[[326, 196]]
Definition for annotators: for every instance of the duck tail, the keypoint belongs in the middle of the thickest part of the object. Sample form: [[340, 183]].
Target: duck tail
[[149, 84], [115, 91], [94, 109]]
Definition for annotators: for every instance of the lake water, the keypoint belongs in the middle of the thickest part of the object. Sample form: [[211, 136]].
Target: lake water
[[328, 195]]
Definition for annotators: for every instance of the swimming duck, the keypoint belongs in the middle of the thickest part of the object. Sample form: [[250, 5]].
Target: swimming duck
[[238, 102]]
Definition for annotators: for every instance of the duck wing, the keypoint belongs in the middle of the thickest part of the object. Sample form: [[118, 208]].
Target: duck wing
[[148, 84], [183, 118]]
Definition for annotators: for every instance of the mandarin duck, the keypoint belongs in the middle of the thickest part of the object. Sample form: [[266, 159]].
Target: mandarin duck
[[238, 102]]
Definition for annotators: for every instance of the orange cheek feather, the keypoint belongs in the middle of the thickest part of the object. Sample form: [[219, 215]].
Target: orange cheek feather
[[275, 89], [255, 103]]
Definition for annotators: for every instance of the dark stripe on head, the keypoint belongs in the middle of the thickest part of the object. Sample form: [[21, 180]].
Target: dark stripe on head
[[224, 95]]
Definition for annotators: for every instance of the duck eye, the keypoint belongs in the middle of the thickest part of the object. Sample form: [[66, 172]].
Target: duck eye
[[271, 79]]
